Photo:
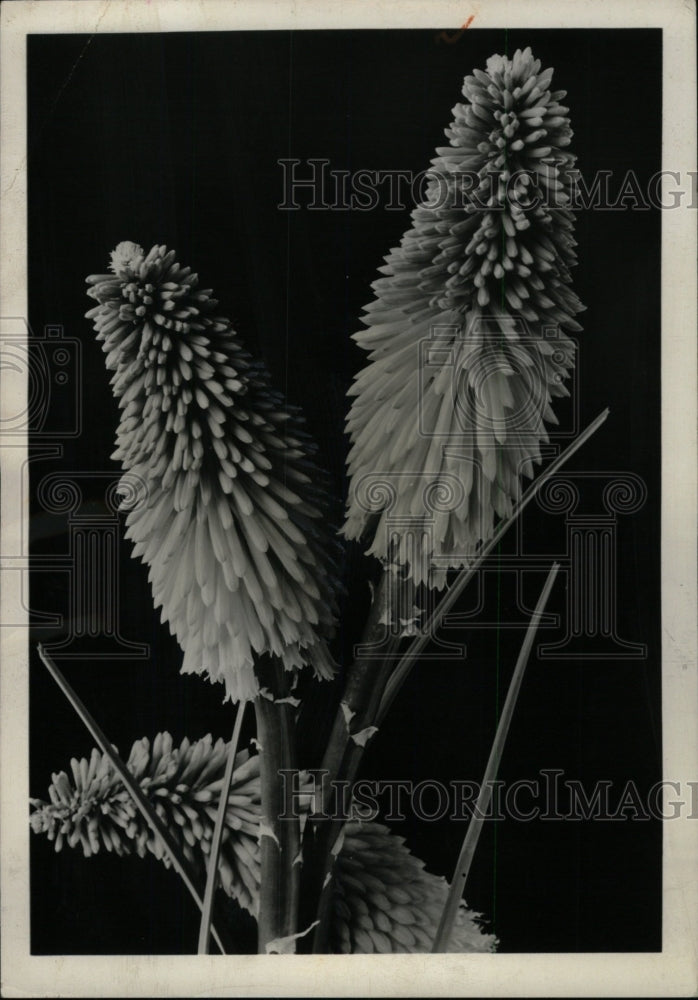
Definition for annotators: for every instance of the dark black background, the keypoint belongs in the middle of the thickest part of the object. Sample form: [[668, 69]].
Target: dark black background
[[175, 139]]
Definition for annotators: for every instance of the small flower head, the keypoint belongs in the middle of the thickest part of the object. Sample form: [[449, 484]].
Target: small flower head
[[385, 902], [467, 333], [92, 808], [233, 523]]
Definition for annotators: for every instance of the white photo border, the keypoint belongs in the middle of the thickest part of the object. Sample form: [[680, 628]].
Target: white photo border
[[671, 972]]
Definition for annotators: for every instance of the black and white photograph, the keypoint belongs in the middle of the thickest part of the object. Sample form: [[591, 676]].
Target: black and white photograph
[[348, 444]]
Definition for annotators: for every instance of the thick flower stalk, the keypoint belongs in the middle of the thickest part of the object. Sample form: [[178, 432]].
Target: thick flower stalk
[[91, 808], [231, 512], [386, 902], [467, 334]]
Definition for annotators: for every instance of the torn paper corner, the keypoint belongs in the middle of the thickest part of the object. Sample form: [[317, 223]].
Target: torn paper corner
[[364, 735], [347, 713], [287, 945]]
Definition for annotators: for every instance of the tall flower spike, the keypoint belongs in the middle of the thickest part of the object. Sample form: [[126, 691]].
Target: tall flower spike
[[386, 902], [466, 334], [183, 783], [233, 524]]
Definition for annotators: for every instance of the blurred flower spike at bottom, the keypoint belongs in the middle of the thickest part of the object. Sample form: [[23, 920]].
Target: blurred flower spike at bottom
[[384, 900], [227, 506]]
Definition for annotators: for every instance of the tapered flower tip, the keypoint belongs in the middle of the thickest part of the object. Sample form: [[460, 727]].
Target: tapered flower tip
[[467, 335], [229, 509], [127, 256], [91, 808], [386, 902]]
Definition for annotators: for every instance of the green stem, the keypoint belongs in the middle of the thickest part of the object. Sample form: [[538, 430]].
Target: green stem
[[279, 832], [472, 836], [217, 839], [365, 683], [354, 712], [179, 862]]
